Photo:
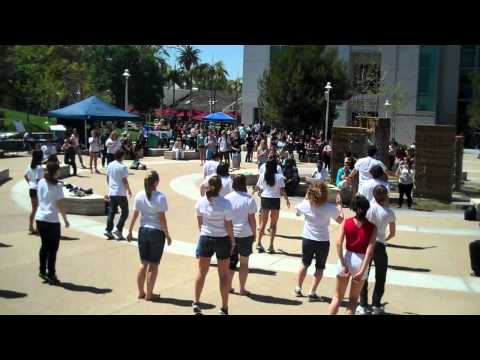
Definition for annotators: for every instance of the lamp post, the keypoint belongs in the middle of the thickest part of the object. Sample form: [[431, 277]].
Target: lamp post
[[328, 87], [387, 106], [126, 75], [78, 94], [58, 99], [211, 103]]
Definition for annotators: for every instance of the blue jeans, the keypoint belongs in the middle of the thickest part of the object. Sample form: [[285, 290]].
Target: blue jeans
[[115, 202]]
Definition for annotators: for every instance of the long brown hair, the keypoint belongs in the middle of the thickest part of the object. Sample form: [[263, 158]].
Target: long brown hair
[[240, 183], [149, 183], [52, 170], [214, 187], [317, 193]]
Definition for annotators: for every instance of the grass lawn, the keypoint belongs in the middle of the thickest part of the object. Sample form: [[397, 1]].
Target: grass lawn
[[37, 123]]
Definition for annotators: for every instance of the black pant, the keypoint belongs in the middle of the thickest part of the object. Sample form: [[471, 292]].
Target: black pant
[[104, 157], [110, 158], [248, 158], [70, 160], [50, 235], [404, 189], [380, 258], [115, 202], [225, 156]]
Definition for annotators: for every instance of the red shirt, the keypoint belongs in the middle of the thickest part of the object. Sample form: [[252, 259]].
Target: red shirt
[[358, 238]]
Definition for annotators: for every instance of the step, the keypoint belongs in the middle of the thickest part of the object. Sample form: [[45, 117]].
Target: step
[[187, 155]]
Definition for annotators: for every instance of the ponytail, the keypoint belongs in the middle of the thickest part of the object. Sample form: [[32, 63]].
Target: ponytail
[[149, 183], [214, 187], [37, 157], [52, 171]]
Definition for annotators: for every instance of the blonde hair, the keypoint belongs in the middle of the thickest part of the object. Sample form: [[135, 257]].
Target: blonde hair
[[149, 183], [317, 193]]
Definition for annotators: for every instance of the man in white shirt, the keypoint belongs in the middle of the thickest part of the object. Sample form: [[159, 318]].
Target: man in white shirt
[[363, 166], [382, 217], [76, 144], [118, 188], [210, 166]]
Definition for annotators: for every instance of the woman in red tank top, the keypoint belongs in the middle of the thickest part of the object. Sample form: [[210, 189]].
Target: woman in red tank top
[[359, 235]]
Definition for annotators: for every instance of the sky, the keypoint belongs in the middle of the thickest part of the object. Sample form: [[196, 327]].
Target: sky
[[231, 55]]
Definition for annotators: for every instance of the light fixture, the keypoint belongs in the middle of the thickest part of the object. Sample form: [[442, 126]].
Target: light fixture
[[126, 74]]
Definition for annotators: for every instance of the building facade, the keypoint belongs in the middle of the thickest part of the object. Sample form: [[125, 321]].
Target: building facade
[[432, 80]]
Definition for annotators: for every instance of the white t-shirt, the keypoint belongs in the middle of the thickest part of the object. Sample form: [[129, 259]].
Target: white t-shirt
[[368, 186], [317, 220], [34, 176], [48, 195], [214, 215], [116, 171], [263, 168], [272, 192], [94, 144], [380, 216], [363, 167], [223, 144], [320, 175], [242, 205], [227, 184], [116, 145], [210, 168], [150, 209]]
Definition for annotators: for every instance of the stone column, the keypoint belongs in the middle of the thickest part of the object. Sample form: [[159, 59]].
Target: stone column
[[459, 144]]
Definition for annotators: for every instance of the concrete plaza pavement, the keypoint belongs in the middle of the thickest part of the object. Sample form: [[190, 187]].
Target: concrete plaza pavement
[[428, 274]]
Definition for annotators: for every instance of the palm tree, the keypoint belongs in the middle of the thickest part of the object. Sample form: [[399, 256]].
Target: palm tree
[[220, 79], [188, 57]]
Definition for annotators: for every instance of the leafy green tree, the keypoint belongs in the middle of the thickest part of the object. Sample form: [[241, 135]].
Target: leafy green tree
[[292, 94], [188, 57]]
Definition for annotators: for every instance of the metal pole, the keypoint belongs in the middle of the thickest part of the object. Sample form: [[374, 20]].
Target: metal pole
[[126, 100], [326, 115]]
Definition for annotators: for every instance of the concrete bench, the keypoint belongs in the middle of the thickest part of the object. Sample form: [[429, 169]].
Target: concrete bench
[[87, 205], [156, 152], [64, 171], [4, 175], [187, 155], [251, 176]]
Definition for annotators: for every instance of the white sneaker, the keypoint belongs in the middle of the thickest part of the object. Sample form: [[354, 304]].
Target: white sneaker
[[298, 292], [377, 310], [362, 310]]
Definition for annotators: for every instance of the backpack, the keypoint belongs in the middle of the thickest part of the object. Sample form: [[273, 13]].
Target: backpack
[[470, 213]]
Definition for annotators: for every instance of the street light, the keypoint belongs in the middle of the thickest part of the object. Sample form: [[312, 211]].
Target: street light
[[211, 103], [78, 93], [387, 105], [328, 87], [58, 100], [126, 75]]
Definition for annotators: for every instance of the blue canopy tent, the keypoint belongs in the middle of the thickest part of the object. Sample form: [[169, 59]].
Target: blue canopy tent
[[218, 117], [92, 108]]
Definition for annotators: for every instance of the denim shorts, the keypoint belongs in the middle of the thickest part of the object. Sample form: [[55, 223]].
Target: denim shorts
[[319, 249], [243, 247], [150, 244], [209, 245]]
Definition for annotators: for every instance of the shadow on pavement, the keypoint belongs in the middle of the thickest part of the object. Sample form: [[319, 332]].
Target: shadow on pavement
[[8, 294], [273, 300], [2, 245], [83, 288], [182, 302], [406, 268], [254, 271], [289, 237], [327, 299], [409, 247], [283, 252], [68, 238]]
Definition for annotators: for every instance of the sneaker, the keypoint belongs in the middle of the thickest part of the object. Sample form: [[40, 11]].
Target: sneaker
[[298, 292], [43, 276], [196, 309], [271, 250], [260, 249], [109, 235], [362, 310], [313, 297], [223, 311], [119, 235], [378, 310], [53, 280]]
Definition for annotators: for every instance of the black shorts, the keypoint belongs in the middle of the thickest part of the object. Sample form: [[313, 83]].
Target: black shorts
[[270, 203], [318, 248], [243, 247], [33, 193], [209, 245], [150, 244]]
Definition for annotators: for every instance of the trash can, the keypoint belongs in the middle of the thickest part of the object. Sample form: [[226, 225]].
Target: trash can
[[475, 257]]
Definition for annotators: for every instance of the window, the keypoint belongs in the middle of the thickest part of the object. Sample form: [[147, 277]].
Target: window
[[427, 78]]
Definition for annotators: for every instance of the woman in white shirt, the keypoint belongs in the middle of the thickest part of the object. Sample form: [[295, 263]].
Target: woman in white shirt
[[222, 171], [94, 150], [378, 178], [152, 205], [244, 208], [214, 216], [33, 174], [271, 187], [112, 144], [316, 239], [405, 173], [50, 203]]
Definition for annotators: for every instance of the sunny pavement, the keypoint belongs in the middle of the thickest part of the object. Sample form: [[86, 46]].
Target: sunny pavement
[[98, 276]]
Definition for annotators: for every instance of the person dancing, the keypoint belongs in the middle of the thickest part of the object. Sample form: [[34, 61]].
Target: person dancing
[[33, 174]]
